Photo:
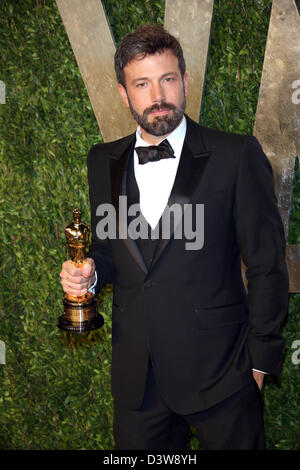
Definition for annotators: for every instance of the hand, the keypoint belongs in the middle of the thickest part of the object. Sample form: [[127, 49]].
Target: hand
[[76, 281], [259, 378]]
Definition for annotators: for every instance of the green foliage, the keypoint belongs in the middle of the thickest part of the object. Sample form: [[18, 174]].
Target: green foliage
[[239, 33], [55, 387], [294, 232], [126, 15]]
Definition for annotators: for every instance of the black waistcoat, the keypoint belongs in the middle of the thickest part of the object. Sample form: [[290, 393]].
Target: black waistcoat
[[146, 246]]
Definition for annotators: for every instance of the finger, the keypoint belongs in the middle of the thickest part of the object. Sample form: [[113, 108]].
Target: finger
[[91, 281], [69, 290], [73, 292], [69, 268], [71, 285], [88, 268], [74, 279]]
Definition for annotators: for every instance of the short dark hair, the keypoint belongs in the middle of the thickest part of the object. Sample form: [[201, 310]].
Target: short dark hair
[[146, 40]]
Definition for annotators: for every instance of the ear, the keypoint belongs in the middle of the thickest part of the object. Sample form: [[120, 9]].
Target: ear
[[186, 83], [123, 93]]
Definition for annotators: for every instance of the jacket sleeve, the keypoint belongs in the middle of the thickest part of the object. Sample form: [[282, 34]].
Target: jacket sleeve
[[100, 250], [262, 244]]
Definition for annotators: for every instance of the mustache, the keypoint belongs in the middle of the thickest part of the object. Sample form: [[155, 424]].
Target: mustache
[[159, 107]]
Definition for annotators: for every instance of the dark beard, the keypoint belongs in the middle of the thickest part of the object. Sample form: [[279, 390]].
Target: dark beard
[[161, 125]]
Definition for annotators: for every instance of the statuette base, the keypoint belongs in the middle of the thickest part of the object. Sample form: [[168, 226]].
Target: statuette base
[[80, 315], [80, 327]]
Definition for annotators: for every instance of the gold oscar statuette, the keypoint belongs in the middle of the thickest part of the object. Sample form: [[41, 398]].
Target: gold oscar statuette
[[80, 312]]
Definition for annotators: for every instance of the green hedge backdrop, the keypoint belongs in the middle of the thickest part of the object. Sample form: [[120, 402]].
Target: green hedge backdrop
[[55, 387]]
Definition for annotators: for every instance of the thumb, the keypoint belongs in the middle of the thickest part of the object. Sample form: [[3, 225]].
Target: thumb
[[87, 268]]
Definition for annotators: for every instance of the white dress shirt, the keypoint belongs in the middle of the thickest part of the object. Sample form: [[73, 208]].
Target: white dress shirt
[[156, 179]]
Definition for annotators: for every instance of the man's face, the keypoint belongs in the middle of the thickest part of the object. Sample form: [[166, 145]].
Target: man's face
[[155, 93]]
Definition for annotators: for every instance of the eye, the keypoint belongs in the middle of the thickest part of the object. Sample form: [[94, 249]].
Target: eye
[[169, 79], [141, 84]]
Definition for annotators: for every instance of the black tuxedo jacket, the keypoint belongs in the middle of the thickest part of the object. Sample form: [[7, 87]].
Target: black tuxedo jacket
[[190, 311]]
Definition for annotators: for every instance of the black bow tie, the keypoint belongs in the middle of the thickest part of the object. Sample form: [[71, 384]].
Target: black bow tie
[[153, 153]]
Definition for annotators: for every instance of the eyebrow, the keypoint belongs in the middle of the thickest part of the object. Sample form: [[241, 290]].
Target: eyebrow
[[147, 78]]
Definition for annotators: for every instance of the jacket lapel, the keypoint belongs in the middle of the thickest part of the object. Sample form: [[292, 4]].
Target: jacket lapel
[[118, 174], [194, 158]]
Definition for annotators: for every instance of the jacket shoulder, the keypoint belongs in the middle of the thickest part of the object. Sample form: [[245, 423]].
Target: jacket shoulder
[[219, 141], [106, 149], [221, 137]]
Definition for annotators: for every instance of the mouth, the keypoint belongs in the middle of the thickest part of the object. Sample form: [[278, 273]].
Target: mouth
[[160, 112]]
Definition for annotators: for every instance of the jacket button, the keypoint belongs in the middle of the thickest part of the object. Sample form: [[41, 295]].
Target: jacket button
[[148, 283]]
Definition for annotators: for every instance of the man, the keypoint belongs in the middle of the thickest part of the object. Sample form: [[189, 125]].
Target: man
[[190, 346]]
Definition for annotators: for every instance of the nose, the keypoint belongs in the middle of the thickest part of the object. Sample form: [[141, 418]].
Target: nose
[[157, 93]]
